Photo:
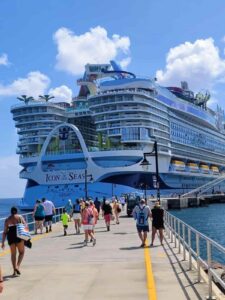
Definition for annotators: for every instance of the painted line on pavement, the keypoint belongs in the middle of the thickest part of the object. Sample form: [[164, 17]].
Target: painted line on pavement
[[150, 278]]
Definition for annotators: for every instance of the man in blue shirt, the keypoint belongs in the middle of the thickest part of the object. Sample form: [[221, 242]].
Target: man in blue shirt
[[141, 214]]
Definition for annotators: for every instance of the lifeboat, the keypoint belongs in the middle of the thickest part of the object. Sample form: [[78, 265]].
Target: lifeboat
[[178, 165], [214, 170], [204, 168], [192, 167]]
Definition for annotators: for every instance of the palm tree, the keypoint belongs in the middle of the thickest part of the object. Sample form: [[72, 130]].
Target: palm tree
[[46, 97], [25, 99]]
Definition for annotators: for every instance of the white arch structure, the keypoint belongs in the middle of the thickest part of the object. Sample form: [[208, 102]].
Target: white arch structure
[[79, 136]]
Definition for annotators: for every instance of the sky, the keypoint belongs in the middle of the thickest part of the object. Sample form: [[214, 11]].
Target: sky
[[45, 44]]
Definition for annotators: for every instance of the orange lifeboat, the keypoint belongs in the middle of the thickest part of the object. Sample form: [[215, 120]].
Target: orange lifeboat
[[192, 167], [204, 168], [178, 165]]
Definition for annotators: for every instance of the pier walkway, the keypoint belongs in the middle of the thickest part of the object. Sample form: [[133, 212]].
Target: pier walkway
[[59, 267]]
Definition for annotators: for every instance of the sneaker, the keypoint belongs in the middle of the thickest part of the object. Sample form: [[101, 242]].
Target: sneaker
[[50, 228], [94, 242], [85, 243]]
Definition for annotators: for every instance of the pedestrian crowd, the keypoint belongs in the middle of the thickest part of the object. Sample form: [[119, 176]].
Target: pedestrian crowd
[[85, 215]]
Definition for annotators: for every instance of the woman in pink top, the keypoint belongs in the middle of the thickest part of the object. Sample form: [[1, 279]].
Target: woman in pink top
[[88, 223]]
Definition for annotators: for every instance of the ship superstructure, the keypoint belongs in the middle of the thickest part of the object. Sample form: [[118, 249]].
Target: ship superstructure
[[105, 131]]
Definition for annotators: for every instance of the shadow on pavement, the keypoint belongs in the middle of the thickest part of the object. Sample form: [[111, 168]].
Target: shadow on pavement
[[131, 248]]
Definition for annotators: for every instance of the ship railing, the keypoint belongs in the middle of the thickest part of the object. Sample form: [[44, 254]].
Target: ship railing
[[196, 249], [29, 219]]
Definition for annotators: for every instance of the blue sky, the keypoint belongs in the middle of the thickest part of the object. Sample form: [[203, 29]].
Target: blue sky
[[45, 44]]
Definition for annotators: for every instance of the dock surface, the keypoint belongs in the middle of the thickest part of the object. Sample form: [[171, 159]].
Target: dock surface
[[60, 267]]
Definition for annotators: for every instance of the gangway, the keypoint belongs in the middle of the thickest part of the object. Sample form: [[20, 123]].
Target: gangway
[[204, 188]]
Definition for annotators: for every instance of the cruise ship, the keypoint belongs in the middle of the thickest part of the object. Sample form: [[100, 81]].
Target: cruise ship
[[95, 145]]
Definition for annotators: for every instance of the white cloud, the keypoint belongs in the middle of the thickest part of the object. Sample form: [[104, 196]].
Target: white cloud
[[9, 173], [94, 46], [34, 85], [198, 63], [125, 62], [4, 60], [61, 93]]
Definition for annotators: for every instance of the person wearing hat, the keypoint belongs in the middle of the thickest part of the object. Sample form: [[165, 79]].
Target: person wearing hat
[[141, 214], [157, 214]]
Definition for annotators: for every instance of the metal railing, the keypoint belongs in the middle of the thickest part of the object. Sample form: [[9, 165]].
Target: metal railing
[[195, 246], [28, 217]]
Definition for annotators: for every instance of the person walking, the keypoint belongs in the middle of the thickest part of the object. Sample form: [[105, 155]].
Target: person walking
[[65, 219], [97, 204], [69, 208], [116, 210], [49, 211], [157, 214], [87, 222], [141, 214], [95, 214], [15, 243], [39, 215], [77, 216], [123, 202], [107, 213]]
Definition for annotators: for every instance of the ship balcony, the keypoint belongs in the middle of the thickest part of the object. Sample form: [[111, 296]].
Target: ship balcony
[[32, 128], [35, 104], [25, 159], [41, 120]]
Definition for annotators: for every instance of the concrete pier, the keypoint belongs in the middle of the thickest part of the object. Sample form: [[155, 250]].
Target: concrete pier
[[59, 267]]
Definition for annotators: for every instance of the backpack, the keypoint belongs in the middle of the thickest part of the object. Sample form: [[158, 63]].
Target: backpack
[[141, 216], [90, 216]]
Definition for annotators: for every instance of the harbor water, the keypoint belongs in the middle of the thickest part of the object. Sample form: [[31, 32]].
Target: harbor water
[[209, 220]]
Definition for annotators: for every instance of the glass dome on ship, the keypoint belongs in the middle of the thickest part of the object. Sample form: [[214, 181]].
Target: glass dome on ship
[[104, 132]]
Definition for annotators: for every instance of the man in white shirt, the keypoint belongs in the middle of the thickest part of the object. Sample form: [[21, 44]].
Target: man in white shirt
[[49, 211], [141, 214]]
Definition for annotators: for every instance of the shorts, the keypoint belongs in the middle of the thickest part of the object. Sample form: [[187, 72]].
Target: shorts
[[65, 226], [107, 218], [48, 218], [38, 218], [143, 228], [88, 227], [77, 216]]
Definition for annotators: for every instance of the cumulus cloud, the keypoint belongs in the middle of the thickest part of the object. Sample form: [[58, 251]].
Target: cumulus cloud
[[94, 46], [9, 172], [33, 85], [198, 63], [4, 60], [61, 93]]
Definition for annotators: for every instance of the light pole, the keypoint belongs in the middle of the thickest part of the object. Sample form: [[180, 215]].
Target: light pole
[[144, 186], [86, 176], [145, 162]]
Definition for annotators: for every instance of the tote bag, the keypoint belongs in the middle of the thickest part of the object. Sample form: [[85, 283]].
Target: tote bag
[[22, 232]]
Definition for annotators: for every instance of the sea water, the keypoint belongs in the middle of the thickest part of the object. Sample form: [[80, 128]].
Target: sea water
[[209, 220], [6, 204]]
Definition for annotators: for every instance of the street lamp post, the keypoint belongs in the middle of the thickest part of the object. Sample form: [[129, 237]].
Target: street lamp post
[[86, 176], [145, 162]]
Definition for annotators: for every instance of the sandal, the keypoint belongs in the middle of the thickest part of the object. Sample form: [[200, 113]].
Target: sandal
[[17, 272]]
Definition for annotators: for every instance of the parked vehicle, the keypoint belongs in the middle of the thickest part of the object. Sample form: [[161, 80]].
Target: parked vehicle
[[132, 200]]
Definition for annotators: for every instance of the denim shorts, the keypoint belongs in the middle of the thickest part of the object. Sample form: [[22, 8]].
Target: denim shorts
[[141, 228]]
